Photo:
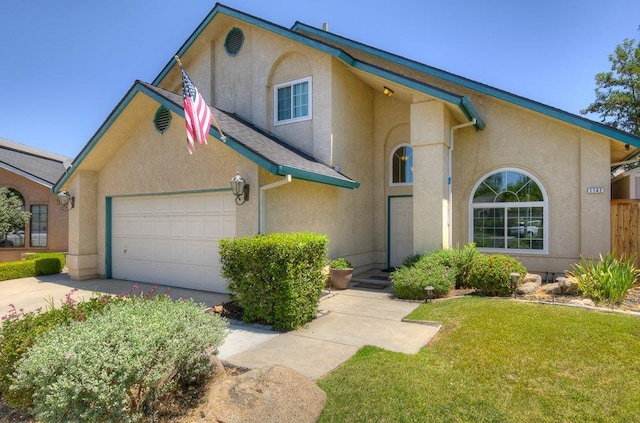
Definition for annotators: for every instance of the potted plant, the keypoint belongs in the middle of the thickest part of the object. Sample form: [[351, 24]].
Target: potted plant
[[340, 272]]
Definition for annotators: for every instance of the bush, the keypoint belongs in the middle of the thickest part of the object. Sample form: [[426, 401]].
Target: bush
[[436, 269], [20, 330], [410, 282], [61, 257], [490, 274], [33, 265], [608, 279], [275, 278], [110, 366]]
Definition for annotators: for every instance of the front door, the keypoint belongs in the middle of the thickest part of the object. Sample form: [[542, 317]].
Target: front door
[[400, 229]]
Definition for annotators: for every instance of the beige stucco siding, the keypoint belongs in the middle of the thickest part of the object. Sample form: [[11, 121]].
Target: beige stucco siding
[[148, 162], [564, 159]]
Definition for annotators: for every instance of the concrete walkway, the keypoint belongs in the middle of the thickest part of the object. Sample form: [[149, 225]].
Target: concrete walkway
[[353, 318]]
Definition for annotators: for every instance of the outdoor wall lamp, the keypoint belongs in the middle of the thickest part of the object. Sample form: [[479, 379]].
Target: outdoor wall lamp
[[240, 189], [387, 91], [66, 200]]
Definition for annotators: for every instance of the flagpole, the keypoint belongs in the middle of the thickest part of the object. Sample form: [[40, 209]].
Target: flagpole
[[223, 137]]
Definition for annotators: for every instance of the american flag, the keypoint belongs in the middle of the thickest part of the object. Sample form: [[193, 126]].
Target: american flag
[[197, 114]]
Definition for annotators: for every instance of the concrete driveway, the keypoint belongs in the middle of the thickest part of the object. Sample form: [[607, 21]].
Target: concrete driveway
[[32, 293]]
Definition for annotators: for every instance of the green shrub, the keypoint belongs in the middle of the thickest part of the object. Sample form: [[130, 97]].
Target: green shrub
[[412, 260], [112, 365], [410, 282], [17, 269], [490, 274], [20, 330], [47, 266], [340, 264], [276, 278], [36, 256], [33, 265], [608, 279]]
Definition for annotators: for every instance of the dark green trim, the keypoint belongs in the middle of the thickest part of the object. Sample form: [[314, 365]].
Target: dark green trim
[[553, 112], [253, 20], [459, 101], [108, 261], [315, 177], [389, 224], [232, 143]]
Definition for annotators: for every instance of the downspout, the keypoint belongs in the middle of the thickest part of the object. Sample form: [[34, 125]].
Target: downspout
[[449, 181], [263, 188]]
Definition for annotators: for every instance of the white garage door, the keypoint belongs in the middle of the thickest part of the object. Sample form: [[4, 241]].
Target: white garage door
[[171, 239]]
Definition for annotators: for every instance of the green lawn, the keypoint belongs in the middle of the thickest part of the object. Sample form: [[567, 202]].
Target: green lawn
[[497, 360]]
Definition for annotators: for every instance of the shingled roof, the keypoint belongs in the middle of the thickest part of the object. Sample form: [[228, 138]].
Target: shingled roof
[[265, 149], [40, 166]]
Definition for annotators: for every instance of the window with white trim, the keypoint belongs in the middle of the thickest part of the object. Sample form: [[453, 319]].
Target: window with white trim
[[509, 213], [401, 165], [292, 101]]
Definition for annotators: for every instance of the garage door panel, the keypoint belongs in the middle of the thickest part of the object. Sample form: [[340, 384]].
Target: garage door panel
[[172, 239]]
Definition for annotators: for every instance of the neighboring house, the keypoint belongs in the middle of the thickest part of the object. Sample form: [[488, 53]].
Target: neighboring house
[[386, 156], [30, 174]]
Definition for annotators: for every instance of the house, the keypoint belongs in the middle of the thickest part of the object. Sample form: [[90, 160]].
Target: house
[[31, 173], [385, 155]]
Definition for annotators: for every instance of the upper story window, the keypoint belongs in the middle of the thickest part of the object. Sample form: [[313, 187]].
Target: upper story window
[[509, 213], [401, 165], [292, 101]]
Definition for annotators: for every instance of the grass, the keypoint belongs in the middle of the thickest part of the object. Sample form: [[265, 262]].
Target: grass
[[497, 360]]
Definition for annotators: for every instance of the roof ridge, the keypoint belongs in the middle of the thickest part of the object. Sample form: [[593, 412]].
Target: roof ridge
[[31, 151]]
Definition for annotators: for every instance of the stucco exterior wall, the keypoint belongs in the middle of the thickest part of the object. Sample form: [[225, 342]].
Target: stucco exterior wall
[[148, 162], [37, 194], [564, 159]]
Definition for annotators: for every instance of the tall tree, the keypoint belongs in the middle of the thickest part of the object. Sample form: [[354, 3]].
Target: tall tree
[[12, 215], [618, 91]]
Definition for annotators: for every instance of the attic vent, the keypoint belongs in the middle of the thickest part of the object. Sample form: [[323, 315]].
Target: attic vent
[[162, 119], [233, 42]]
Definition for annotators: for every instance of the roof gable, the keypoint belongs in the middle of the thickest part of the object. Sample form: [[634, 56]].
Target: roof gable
[[461, 102], [39, 166], [262, 148]]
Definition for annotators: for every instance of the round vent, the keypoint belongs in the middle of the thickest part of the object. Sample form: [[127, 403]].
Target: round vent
[[234, 41], [162, 119]]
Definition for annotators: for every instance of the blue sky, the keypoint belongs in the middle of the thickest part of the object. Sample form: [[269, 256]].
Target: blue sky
[[65, 64]]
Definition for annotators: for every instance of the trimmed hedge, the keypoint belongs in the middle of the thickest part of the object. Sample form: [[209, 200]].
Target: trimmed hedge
[[276, 278], [490, 274], [59, 256], [32, 266]]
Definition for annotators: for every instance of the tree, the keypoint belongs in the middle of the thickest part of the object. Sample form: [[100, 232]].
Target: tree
[[12, 215], [618, 91]]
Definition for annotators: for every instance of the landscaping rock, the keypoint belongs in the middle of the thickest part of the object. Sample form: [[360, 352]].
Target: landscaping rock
[[586, 302], [527, 288], [568, 286], [551, 289], [270, 394], [532, 278]]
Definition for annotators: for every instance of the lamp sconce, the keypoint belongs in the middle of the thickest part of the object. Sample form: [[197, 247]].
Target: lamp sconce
[[66, 200], [240, 189], [387, 91]]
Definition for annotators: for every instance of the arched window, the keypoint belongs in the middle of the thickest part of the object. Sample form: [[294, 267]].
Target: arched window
[[401, 165], [508, 212], [14, 238]]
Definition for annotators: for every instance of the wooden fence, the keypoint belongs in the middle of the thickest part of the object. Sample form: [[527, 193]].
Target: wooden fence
[[625, 228]]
